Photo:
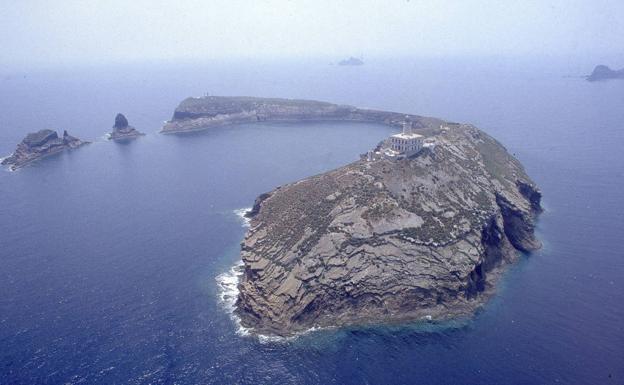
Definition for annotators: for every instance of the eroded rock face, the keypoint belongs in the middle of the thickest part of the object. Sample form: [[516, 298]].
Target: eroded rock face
[[121, 129], [39, 144], [388, 241]]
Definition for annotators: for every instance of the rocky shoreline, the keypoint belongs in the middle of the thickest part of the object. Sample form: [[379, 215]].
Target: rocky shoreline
[[38, 145], [381, 241]]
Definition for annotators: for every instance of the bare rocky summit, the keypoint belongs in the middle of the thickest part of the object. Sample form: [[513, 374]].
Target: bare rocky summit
[[38, 145], [387, 241], [122, 131]]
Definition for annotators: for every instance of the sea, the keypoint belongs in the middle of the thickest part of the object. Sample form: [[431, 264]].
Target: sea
[[119, 261]]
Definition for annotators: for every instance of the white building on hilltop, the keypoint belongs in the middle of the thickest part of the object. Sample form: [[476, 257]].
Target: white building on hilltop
[[400, 146], [406, 144], [403, 145]]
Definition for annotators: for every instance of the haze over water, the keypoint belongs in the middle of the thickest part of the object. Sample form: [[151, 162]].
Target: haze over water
[[110, 253]]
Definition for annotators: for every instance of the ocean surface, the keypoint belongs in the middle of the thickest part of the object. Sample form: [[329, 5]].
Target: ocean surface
[[116, 258]]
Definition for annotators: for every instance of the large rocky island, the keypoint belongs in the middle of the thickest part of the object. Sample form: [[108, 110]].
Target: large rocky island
[[206, 112], [38, 145], [388, 240]]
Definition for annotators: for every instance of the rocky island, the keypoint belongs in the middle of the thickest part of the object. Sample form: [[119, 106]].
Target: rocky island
[[352, 61], [123, 131], [386, 240], [602, 72], [201, 113], [38, 145], [420, 227]]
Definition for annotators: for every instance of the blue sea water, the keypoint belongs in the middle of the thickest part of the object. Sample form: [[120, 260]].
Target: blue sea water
[[112, 255]]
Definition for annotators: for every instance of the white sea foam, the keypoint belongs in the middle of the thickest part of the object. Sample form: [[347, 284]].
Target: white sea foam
[[240, 213], [8, 168], [228, 293]]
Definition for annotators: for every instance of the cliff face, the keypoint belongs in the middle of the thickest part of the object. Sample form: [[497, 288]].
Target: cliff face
[[121, 129], [212, 111], [38, 145], [388, 241]]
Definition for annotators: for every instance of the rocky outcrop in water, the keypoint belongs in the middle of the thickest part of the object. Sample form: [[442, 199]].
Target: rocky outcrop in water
[[387, 241], [38, 145], [602, 72], [121, 129], [195, 114]]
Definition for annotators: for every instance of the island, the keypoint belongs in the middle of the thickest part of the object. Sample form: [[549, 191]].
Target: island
[[38, 145], [123, 131], [352, 61], [419, 228], [602, 72], [201, 113]]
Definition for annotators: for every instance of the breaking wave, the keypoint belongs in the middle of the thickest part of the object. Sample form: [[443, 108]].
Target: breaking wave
[[240, 213], [228, 293]]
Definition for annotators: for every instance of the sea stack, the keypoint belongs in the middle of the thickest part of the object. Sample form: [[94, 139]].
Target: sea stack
[[38, 145], [420, 228], [121, 129]]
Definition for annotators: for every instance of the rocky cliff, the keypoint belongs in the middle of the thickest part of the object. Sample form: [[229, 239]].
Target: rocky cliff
[[213, 111], [122, 130], [38, 145], [388, 241]]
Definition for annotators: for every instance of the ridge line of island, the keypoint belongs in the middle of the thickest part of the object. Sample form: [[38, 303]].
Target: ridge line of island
[[421, 227]]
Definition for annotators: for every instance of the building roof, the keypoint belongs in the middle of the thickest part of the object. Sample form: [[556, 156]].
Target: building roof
[[407, 136]]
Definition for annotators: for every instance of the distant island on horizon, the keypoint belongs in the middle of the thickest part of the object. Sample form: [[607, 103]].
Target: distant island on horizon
[[603, 72], [351, 61]]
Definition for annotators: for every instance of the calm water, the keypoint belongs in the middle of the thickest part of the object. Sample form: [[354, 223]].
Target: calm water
[[110, 253]]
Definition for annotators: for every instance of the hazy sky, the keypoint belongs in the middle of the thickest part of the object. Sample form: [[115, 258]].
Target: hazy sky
[[89, 32]]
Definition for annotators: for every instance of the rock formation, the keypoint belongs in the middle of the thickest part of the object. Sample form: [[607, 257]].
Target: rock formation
[[38, 145], [602, 72], [387, 241], [121, 129], [213, 111]]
